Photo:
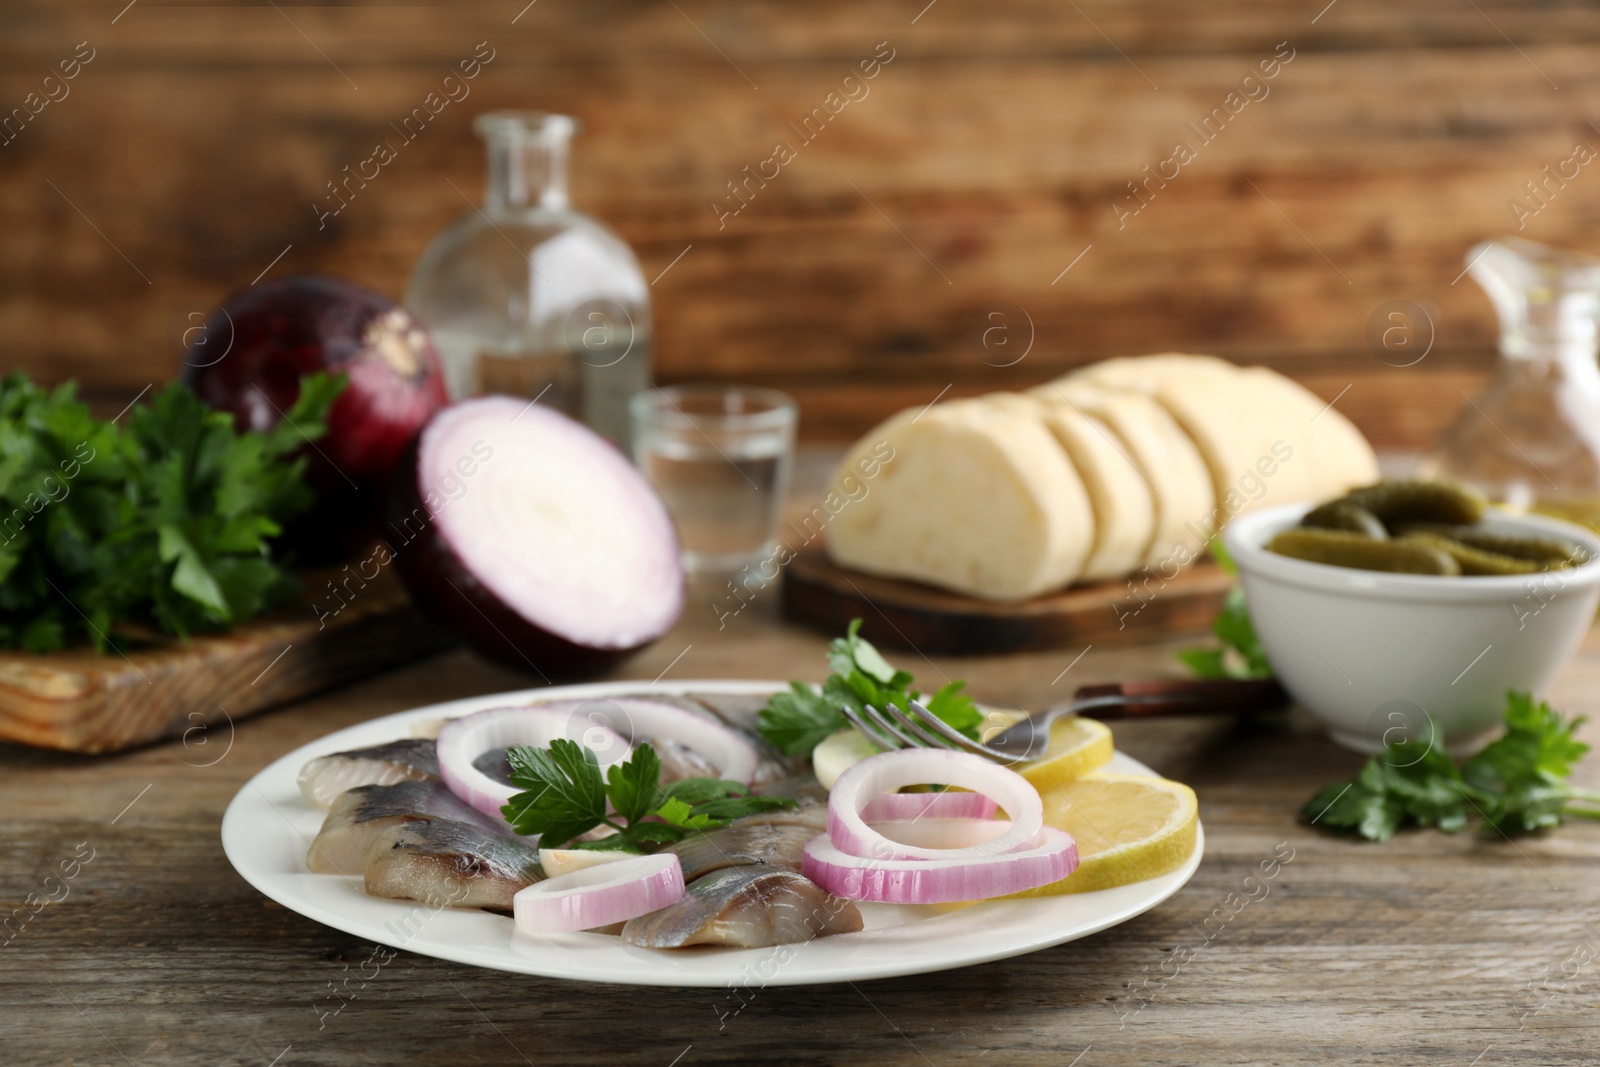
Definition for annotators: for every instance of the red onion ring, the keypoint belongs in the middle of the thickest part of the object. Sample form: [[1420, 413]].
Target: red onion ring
[[946, 805], [465, 739], [639, 720], [878, 775], [599, 896], [918, 881]]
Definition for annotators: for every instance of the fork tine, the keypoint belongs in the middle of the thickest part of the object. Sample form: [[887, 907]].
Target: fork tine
[[883, 722], [925, 738], [870, 731], [931, 721]]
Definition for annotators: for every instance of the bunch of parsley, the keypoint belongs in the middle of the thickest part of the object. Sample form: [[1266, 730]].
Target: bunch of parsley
[[1517, 784], [1240, 654], [564, 795], [796, 720], [163, 523]]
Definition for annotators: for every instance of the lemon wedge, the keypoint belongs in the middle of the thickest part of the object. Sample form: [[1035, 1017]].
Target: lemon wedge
[[1077, 746], [1128, 828]]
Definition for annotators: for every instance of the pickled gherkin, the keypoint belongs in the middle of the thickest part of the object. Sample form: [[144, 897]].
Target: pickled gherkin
[[1395, 502], [1343, 515], [1343, 548], [1549, 551], [1414, 527], [1473, 560]]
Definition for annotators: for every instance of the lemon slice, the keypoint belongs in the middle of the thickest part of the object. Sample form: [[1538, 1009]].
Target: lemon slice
[[1128, 828], [1077, 746]]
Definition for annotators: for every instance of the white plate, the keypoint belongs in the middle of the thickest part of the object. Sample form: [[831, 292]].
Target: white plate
[[269, 826]]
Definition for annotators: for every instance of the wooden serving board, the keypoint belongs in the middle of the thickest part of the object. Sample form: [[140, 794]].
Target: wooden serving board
[[82, 701], [910, 615]]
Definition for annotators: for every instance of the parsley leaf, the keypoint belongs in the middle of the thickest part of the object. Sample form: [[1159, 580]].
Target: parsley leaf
[[1240, 654], [796, 720], [1522, 775], [1516, 784], [164, 521], [799, 718], [564, 795]]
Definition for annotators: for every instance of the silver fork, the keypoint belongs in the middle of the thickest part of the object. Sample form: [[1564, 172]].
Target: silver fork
[[917, 727]]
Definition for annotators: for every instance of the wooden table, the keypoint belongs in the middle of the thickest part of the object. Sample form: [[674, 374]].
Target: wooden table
[[1430, 949]]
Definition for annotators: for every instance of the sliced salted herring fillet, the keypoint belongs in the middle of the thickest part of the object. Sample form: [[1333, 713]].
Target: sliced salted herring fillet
[[966, 497], [1171, 466], [1123, 509]]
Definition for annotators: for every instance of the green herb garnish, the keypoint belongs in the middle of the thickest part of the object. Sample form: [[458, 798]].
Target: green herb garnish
[[564, 795], [164, 522], [1517, 784], [1241, 655], [796, 720]]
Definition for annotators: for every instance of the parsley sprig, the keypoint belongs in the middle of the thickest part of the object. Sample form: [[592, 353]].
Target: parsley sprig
[[1240, 654], [797, 719], [1517, 784], [564, 795], [162, 521]]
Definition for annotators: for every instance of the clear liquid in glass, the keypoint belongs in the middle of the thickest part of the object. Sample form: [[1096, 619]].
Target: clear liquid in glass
[[720, 459]]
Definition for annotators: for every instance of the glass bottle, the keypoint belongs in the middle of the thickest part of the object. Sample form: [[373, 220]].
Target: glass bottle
[[527, 296], [1531, 440]]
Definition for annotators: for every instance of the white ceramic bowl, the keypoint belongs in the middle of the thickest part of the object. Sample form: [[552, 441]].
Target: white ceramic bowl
[[1368, 652]]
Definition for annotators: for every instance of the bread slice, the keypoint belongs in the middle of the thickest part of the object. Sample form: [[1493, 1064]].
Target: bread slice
[[1146, 374], [1123, 510], [970, 498], [1269, 440], [1171, 466], [1266, 439]]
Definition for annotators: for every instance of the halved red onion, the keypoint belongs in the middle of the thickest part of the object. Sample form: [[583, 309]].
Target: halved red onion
[[882, 774], [599, 896], [637, 719], [462, 741], [921, 881], [949, 804], [534, 538]]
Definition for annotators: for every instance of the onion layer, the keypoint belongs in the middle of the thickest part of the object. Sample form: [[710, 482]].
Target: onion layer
[[878, 775], [945, 805], [599, 896], [463, 740], [639, 720], [919, 881]]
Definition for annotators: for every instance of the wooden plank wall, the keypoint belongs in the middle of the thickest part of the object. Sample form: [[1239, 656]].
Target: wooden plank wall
[[985, 157]]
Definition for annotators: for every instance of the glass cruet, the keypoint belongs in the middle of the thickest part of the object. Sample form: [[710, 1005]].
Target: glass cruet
[[1531, 440], [529, 297]]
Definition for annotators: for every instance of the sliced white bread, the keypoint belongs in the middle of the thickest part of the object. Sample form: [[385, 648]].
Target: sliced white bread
[[1123, 510], [1168, 461], [973, 497], [1266, 439], [1145, 374]]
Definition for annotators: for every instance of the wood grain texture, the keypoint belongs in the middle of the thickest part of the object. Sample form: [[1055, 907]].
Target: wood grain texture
[[985, 158], [909, 615], [80, 700], [1427, 950]]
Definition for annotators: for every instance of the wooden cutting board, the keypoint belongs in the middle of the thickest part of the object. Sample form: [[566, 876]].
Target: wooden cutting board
[[82, 701], [920, 617]]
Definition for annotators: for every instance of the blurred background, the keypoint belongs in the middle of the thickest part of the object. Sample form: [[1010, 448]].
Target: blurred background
[[962, 222]]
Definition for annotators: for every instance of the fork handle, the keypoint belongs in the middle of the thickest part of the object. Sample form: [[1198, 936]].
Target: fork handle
[[1194, 696]]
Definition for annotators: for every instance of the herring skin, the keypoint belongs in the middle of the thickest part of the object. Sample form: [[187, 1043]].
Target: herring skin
[[325, 778], [752, 906]]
